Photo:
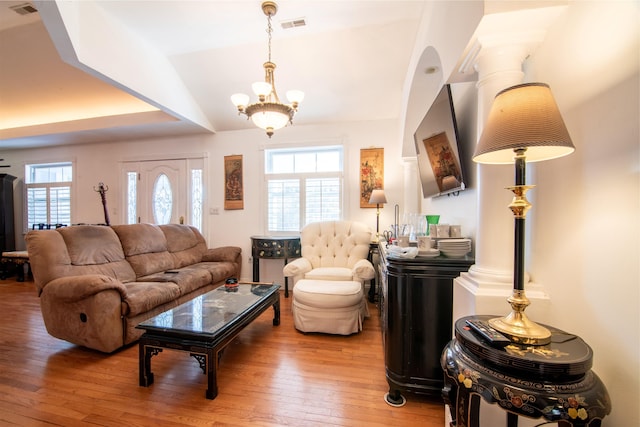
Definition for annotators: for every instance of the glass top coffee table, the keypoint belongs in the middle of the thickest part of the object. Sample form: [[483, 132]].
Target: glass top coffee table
[[204, 326]]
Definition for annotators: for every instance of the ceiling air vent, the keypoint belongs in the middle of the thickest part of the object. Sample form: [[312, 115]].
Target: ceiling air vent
[[300, 22], [24, 9]]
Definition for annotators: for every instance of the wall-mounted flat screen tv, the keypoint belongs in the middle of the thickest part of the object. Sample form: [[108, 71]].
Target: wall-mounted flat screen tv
[[438, 148]]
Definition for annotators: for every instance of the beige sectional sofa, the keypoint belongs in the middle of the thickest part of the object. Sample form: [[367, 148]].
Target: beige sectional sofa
[[96, 283]]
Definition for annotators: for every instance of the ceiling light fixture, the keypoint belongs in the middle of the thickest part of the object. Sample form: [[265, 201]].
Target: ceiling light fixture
[[268, 112]]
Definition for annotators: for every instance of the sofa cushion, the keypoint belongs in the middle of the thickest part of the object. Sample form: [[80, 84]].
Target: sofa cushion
[[91, 244], [96, 249], [188, 279], [219, 271], [144, 296], [183, 244], [145, 247]]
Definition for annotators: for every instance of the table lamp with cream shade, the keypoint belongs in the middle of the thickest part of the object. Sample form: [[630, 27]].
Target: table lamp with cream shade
[[377, 197], [524, 124]]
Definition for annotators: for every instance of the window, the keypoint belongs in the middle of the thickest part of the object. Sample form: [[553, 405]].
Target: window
[[197, 201], [48, 198], [132, 197], [162, 200], [304, 185]]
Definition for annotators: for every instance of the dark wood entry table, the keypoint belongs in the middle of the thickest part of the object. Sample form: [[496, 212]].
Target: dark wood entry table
[[274, 247], [204, 326]]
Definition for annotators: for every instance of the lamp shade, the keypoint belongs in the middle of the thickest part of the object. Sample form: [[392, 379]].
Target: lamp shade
[[377, 197], [262, 88], [295, 96], [266, 119], [240, 99], [523, 117]]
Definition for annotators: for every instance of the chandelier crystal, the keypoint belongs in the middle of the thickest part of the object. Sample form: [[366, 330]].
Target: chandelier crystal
[[268, 112]]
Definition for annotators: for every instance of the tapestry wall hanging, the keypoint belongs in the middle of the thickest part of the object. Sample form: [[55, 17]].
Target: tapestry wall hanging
[[371, 174], [233, 187]]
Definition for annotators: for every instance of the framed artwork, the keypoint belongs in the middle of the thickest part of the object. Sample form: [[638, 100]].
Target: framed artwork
[[371, 174], [233, 188], [444, 162]]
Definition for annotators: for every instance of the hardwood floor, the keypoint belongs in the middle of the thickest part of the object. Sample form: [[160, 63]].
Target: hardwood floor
[[269, 376]]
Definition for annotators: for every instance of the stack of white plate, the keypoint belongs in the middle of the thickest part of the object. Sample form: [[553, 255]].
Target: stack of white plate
[[428, 253], [454, 248]]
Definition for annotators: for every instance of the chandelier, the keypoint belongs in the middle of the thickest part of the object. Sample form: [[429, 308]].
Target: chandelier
[[268, 112]]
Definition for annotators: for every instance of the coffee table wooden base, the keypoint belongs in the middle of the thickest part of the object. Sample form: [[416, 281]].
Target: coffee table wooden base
[[206, 349]]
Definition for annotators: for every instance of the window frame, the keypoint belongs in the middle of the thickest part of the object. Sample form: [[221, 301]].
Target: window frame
[[301, 177]]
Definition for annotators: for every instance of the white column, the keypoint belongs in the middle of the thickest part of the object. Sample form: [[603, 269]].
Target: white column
[[411, 194]]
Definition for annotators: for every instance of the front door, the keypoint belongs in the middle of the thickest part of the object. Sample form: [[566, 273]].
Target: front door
[[164, 191]]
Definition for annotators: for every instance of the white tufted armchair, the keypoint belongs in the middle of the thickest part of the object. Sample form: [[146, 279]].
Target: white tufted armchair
[[333, 250], [328, 290]]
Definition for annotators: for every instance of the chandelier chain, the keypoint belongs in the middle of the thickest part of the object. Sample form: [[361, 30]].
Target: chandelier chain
[[269, 31]]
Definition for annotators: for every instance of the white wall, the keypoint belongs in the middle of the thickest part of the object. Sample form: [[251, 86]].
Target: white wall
[[585, 244], [250, 221], [100, 162]]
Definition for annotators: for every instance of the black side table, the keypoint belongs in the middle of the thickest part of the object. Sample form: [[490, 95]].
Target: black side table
[[554, 381], [269, 247]]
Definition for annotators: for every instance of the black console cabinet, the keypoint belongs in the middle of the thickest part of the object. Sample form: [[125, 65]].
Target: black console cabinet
[[7, 230], [416, 307], [269, 247]]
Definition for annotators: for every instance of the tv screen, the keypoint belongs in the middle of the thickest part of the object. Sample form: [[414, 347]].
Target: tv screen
[[438, 148]]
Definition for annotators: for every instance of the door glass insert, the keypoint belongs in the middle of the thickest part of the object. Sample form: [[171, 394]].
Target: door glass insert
[[162, 200]]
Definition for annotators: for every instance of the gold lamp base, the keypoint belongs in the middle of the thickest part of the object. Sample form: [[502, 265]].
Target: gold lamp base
[[517, 326]]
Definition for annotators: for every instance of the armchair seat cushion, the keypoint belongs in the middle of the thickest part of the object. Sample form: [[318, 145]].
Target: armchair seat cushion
[[330, 273], [328, 294]]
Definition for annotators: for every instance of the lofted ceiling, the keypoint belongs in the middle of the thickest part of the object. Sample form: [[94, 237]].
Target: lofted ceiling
[[350, 59]]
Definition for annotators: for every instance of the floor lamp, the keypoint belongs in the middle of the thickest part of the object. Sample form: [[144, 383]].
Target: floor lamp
[[377, 197], [524, 124]]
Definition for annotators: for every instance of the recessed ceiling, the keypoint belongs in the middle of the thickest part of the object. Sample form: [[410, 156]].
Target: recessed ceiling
[[350, 59]]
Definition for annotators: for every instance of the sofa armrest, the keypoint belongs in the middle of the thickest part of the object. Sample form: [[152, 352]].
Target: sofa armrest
[[363, 270], [223, 253], [76, 288], [297, 267]]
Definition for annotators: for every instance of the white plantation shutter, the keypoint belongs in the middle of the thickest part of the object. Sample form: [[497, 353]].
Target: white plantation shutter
[[48, 205], [37, 206], [60, 205], [303, 185], [283, 204], [48, 194], [322, 199]]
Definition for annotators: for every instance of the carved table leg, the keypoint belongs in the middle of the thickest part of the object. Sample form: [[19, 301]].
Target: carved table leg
[[146, 352], [276, 313], [212, 381]]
